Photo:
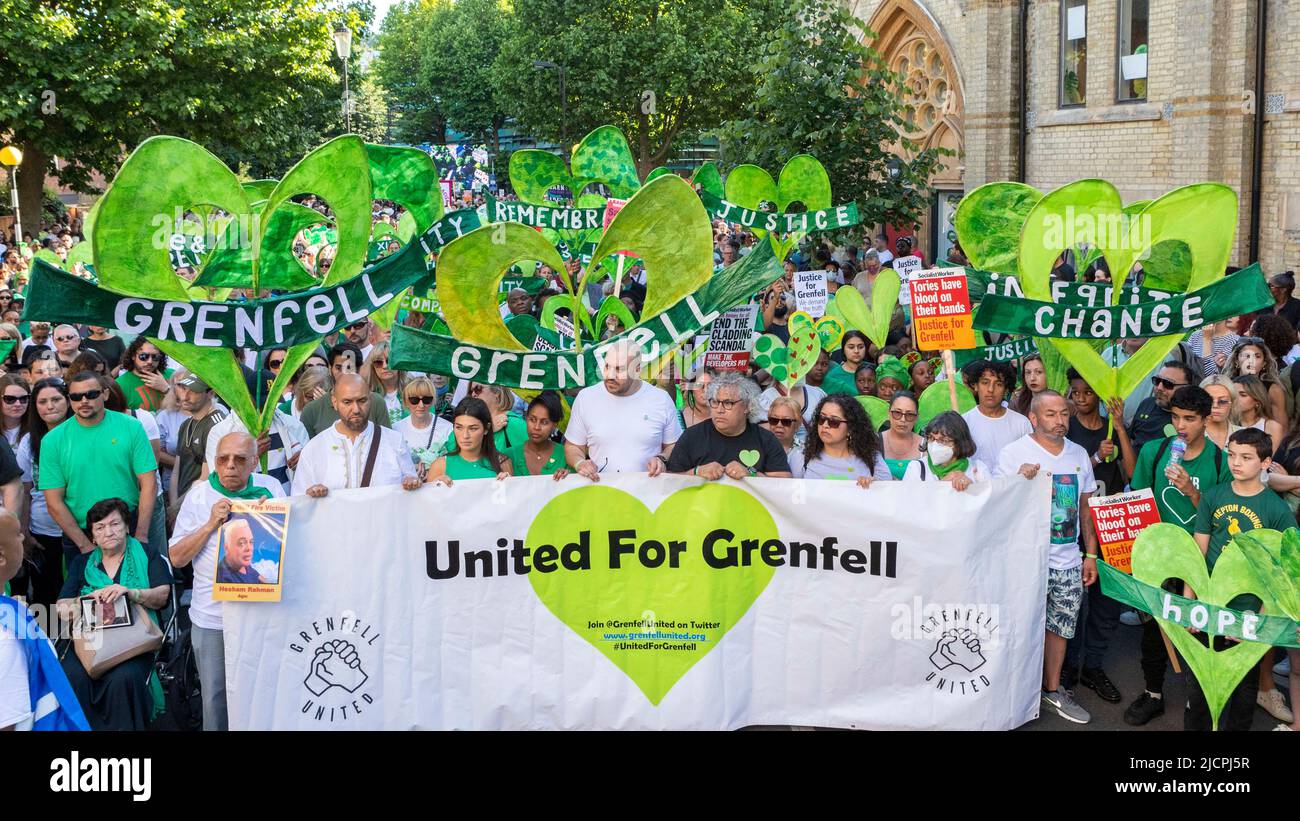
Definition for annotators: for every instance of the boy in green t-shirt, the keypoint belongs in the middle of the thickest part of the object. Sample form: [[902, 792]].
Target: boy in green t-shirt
[[1239, 506], [1177, 492]]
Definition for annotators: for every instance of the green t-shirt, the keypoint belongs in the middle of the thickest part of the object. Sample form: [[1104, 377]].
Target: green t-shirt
[[138, 395], [95, 463], [458, 468], [519, 462], [1174, 507], [1223, 513], [839, 380]]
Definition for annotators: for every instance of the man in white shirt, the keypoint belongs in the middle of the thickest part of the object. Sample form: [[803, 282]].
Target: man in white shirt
[[624, 424], [992, 425], [1068, 572], [198, 526], [881, 248], [281, 445], [336, 457]]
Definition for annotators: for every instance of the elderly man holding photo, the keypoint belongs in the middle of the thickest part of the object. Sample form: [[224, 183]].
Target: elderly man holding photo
[[198, 525], [730, 442]]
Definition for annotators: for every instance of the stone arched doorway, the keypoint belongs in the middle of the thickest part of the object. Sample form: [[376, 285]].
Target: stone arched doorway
[[913, 45]]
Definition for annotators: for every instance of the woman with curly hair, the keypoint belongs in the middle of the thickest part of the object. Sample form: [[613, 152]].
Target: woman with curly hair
[[144, 375], [842, 445]]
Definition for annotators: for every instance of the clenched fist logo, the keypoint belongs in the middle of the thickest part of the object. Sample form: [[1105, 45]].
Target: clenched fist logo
[[336, 664], [960, 647]]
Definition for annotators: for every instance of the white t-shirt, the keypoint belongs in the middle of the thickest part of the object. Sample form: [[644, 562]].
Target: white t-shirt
[[425, 448], [43, 523], [194, 512], [288, 436], [992, 435], [976, 471], [623, 433], [154, 434], [329, 459], [1071, 473], [15, 697], [11, 436]]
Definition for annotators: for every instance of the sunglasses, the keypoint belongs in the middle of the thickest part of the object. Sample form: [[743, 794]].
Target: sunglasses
[[356, 325], [77, 397], [903, 416], [830, 422], [274, 363], [383, 363], [149, 357], [15, 400], [65, 338], [785, 423], [1161, 382], [420, 400]]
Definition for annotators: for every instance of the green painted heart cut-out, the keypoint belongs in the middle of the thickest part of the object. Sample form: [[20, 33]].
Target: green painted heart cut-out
[[1166, 551], [874, 321], [669, 599]]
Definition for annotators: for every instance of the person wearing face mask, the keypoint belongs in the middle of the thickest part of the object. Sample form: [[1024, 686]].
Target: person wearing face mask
[[949, 455]]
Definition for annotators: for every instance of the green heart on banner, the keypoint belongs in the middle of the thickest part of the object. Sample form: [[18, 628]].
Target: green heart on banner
[[1202, 216], [1166, 551], [1278, 572], [873, 321], [693, 591], [803, 179], [772, 355]]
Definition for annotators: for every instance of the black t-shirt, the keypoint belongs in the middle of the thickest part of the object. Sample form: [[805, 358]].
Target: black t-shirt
[[781, 332], [110, 349], [192, 447], [1290, 311], [1148, 423], [702, 444], [1090, 440]]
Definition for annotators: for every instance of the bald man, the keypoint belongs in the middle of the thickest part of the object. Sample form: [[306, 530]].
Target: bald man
[[336, 458], [198, 524], [237, 565]]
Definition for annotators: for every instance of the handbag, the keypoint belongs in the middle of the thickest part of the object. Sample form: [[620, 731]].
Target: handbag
[[101, 650]]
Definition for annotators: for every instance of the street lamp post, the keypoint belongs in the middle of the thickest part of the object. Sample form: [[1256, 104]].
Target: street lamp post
[[548, 65], [343, 47], [11, 157]]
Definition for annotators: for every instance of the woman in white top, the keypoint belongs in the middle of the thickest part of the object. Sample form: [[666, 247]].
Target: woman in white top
[[949, 454], [424, 432], [842, 446], [784, 419], [13, 414], [169, 419], [387, 383], [1219, 425], [49, 410]]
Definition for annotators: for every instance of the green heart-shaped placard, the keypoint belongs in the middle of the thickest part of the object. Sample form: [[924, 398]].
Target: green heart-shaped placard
[[873, 321], [935, 399], [799, 319], [831, 331], [803, 180], [1166, 551], [1203, 216], [772, 355], [749, 458], [877, 409], [693, 591], [805, 346]]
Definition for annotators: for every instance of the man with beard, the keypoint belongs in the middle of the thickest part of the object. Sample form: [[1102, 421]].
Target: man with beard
[[354, 451]]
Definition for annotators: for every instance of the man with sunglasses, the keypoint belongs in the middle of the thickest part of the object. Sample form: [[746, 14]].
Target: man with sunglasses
[[67, 344], [277, 449], [1152, 414], [98, 454], [730, 442], [358, 333]]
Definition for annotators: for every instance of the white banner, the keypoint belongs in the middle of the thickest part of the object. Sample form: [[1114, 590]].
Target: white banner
[[651, 603]]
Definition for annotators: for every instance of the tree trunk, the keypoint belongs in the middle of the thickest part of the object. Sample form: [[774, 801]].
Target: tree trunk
[[31, 186]]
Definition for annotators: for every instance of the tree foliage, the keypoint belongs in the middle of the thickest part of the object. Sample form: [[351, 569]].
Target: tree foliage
[[87, 80], [419, 114], [819, 89], [665, 73]]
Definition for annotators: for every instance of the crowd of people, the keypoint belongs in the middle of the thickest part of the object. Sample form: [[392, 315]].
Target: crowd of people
[[118, 469]]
